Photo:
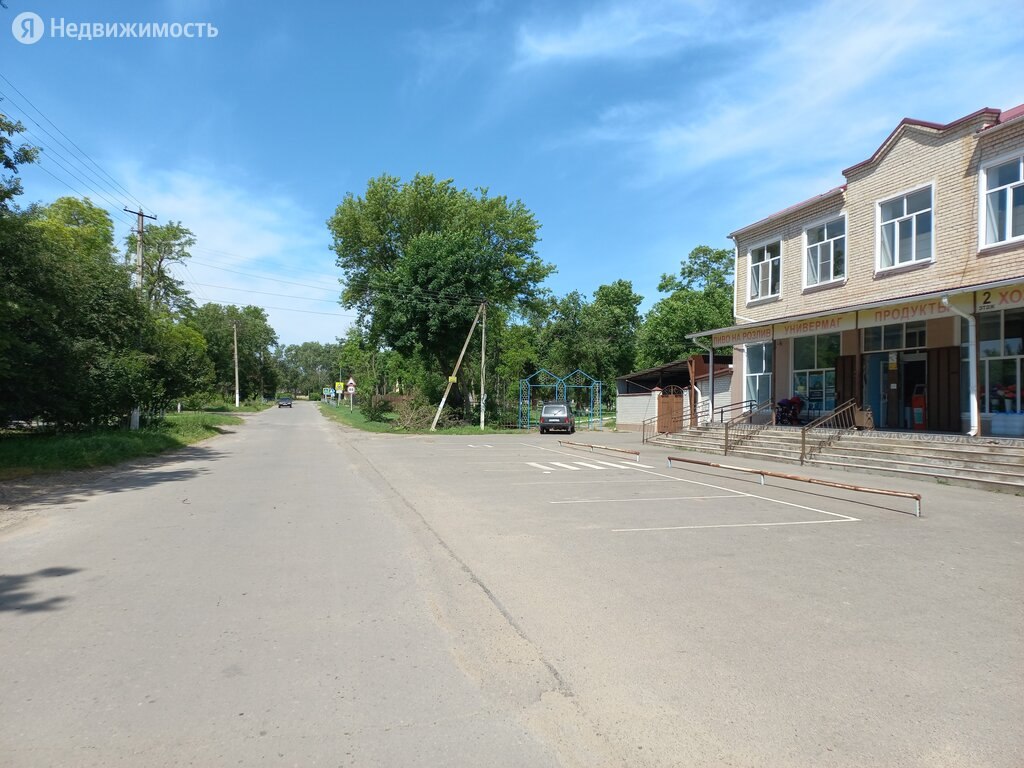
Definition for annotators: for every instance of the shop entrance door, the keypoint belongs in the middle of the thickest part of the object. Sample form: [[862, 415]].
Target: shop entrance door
[[913, 378]]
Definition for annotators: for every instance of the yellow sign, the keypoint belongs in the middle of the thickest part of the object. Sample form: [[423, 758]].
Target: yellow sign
[[339, 386], [452, 379]]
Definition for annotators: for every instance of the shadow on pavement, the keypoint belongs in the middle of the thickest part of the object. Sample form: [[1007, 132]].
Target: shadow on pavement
[[15, 595], [70, 487]]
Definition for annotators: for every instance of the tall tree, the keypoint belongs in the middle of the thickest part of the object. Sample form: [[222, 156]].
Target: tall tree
[[700, 298], [418, 258], [11, 157], [256, 363], [163, 246]]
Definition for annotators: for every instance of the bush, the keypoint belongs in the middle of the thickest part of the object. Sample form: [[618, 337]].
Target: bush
[[416, 414], [375, 408]]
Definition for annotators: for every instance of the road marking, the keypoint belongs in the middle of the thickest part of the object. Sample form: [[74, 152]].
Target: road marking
[[663, 498], [566, 466], [539, 466], [592, 466], [736, 525], [635, 464], [619, 466]]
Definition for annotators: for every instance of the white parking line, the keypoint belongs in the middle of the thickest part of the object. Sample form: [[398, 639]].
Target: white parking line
[[592, 466], [736, 525], [620, 466], [663, 498], [539, 466], [566, 466]]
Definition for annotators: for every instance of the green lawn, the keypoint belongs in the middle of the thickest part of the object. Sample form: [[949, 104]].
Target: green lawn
[[22, 455], [356, 419]]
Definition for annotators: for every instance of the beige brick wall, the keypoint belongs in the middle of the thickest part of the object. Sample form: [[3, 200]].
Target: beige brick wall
[[950, 160]]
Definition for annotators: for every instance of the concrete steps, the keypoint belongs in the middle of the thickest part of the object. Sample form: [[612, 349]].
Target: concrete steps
[[990, 463]]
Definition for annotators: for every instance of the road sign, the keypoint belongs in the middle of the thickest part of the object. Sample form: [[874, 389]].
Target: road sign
[[351, 382], [351, 389], [339, 386], [328, 391]]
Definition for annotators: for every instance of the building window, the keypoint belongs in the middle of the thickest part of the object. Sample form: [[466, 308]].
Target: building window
[[1004, 201], [905, 225], [826, 252], [765, 271], [814, 371], [759, 372], [1001, 343], [895, 336]]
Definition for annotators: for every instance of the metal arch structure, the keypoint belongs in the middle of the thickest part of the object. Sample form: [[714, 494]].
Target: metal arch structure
[[586, 385], [565, 388], [542, 379]]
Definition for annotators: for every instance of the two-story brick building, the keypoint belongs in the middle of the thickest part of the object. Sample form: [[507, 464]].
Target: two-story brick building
[[905, 282]]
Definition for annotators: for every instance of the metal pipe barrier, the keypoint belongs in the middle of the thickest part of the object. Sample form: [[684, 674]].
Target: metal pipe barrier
[[592, 447], [816, 481]]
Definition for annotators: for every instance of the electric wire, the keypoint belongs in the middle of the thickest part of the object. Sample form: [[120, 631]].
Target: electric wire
[[81, 151]]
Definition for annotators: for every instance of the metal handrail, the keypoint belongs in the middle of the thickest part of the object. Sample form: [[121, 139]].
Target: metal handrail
[[654, 430], [831, 426], [744, 424], [743, 406]]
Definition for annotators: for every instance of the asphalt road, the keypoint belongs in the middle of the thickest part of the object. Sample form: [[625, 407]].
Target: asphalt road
[[293, 593]]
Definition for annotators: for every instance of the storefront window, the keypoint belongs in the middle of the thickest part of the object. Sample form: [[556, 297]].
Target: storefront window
[[1002, 360], [895, 336], [759, 372], [814, 375], [990, 328]]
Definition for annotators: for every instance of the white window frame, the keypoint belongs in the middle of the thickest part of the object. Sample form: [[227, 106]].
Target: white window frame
[[824, 222], [751, 298], [915, 262], [760, 375], [983, 193]]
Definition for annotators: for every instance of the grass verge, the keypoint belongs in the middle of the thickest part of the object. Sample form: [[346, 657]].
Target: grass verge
[[22, 455], [356, 419]]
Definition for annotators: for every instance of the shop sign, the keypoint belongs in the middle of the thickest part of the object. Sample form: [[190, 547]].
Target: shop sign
[[912, 311], [757, 335], [847, 321], [993, 299]]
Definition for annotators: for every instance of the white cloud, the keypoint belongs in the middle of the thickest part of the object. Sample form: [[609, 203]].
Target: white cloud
[[617, 30], [252, 248], [836, 78]]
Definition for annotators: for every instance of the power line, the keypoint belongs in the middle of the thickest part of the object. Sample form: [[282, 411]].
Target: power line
[[80, 150]]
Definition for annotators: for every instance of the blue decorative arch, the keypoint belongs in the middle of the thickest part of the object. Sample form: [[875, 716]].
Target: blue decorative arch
[[580, 388]]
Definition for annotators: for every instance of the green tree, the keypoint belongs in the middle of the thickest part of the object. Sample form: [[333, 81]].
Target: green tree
[[163, 246], [11, 157], [90, 332], [700, 298], [419, 257], [308, 367], [257, 371]]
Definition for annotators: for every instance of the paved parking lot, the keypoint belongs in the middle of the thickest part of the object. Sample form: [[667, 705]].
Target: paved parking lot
[[692, 612]]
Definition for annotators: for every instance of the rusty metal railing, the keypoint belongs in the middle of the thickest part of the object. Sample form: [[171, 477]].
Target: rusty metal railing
[[748, 424], [828, 428]]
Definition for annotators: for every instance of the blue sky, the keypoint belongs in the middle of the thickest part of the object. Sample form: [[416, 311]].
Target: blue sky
[[635, 131]]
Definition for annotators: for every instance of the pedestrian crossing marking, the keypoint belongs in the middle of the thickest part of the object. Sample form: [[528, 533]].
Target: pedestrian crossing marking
[[539, 466], [566, 466]]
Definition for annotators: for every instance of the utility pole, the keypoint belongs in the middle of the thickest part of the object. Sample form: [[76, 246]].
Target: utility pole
[[452, 379], [483, 362], [137, 411], [138, 245], [234, 326]]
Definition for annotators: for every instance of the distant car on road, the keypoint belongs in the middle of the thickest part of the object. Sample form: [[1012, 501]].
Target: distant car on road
[[284, 402], [557, 415]]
